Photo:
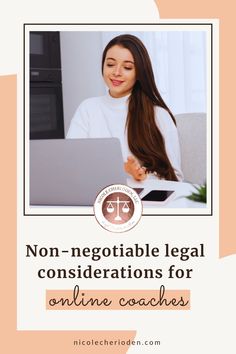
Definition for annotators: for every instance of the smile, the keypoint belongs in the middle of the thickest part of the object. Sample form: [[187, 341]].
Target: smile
[[116, 82]]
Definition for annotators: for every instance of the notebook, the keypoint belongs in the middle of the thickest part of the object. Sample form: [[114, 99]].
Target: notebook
[[73, 171]]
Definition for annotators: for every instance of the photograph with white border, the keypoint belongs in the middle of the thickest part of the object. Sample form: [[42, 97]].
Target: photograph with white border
[[181, 55]]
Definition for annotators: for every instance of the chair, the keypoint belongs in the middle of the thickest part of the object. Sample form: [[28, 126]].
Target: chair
[[192, 136]]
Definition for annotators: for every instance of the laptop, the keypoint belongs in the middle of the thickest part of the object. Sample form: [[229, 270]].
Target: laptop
[[73, 171]]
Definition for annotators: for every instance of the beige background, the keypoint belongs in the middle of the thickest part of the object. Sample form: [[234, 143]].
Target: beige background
[[50, 342]]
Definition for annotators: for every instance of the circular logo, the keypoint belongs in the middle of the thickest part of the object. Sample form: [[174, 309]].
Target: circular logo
[[118, 208]]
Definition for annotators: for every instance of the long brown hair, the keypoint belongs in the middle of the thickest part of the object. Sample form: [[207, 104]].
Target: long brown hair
[[144, 137]]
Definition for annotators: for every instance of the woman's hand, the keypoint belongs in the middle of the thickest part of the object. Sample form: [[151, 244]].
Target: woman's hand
[[133, 168]]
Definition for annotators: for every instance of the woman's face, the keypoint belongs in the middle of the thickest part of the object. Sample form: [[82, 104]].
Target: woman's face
[[119, 71]]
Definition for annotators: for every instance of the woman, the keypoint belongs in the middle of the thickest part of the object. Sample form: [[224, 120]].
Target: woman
[[134, 111]]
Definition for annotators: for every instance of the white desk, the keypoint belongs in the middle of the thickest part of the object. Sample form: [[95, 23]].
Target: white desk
[[179, 204], [179, 200]]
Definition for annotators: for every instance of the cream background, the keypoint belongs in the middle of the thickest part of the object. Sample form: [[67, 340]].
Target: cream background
[[65, 232]]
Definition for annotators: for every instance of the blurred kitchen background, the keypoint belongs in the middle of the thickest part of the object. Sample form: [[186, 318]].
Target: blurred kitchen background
[[65, 69]]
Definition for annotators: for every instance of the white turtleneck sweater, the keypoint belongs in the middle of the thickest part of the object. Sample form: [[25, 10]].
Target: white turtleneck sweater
[[105, 117]]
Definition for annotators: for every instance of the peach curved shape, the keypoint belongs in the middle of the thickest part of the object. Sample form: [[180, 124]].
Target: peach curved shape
[[212, 9], [28, 342]]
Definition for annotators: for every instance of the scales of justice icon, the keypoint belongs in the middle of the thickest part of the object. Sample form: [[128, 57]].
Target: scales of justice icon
[[123, 204]]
